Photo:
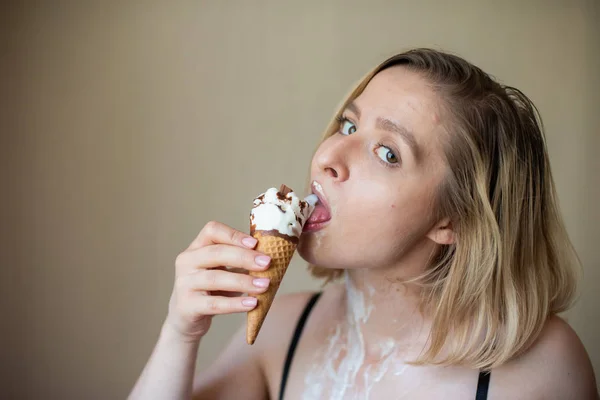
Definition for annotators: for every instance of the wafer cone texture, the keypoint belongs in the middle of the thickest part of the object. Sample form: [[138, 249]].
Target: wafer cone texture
[[281, 251]]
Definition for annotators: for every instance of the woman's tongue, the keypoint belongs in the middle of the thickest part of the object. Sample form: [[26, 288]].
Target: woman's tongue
[[320, 214]]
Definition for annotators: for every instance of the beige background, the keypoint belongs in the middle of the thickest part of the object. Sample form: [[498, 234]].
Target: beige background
[[127, 126]]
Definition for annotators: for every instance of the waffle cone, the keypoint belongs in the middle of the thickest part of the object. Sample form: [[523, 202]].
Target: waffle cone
[[281, 252]]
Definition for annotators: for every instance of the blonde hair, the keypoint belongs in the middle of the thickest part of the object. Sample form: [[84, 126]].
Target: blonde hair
[[512, 264]]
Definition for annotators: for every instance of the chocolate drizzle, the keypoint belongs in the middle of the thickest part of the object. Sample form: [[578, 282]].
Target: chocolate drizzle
[[275, 232], [302, 206]]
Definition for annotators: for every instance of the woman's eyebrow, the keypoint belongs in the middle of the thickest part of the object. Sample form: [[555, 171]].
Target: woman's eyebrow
[[391, 126], [352, 107], [408, 137]]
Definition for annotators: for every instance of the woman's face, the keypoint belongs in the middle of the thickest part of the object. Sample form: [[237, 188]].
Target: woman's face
[[378, 176]]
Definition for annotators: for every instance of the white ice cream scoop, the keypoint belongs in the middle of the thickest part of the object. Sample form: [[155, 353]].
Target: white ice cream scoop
[[282, 211]]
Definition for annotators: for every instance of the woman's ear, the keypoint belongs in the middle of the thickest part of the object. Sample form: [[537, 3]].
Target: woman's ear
[[442, 232]]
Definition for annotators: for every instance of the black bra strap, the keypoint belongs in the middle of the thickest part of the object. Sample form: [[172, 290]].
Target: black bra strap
[[482, 385], [294, 343]]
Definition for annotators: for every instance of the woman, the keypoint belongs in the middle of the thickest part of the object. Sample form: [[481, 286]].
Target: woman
[[440, 219]]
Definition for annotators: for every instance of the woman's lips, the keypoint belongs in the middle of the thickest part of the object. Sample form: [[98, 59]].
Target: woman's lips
[[321, 214], [314, 227]]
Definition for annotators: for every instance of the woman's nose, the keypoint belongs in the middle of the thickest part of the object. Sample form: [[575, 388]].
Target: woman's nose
[[332, 161]]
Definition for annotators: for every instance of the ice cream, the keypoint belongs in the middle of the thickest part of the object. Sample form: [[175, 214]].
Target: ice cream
[[281, 212], [276, 221]]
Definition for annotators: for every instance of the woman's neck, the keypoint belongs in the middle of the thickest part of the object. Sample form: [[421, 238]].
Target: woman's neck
[[382, 313], [379, 329]]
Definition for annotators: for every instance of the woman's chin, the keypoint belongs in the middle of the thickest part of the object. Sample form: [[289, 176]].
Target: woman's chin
[[308, 247], [302, 249]]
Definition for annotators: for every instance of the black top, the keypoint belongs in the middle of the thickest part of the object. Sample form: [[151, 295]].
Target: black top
[[482, 384]]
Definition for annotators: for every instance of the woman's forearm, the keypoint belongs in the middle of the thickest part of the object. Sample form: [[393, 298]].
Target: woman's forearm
[[169, 373]]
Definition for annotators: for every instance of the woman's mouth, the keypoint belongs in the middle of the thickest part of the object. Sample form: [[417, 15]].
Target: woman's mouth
[[321, 214]]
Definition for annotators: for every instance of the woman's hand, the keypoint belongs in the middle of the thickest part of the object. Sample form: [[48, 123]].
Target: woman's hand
[[205, 287]]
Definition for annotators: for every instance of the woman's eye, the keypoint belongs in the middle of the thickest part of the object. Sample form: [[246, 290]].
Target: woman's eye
[[387, 155], [348, 128]]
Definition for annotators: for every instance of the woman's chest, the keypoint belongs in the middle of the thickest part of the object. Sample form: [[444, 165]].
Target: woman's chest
[[326, 368]]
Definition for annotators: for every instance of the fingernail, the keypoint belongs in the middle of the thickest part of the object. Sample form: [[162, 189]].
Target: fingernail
[[263, 261], [261, 282], [251, 302], [249, 242]]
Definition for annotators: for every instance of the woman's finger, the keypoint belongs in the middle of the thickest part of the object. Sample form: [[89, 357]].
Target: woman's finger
[[217, 280], [218, 233], [213, 305], [220, 255]]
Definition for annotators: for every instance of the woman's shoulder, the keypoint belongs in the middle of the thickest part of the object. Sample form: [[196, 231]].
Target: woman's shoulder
[[254, 367], [556, 366], [282, 318], [276, 334], [287, 309]]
